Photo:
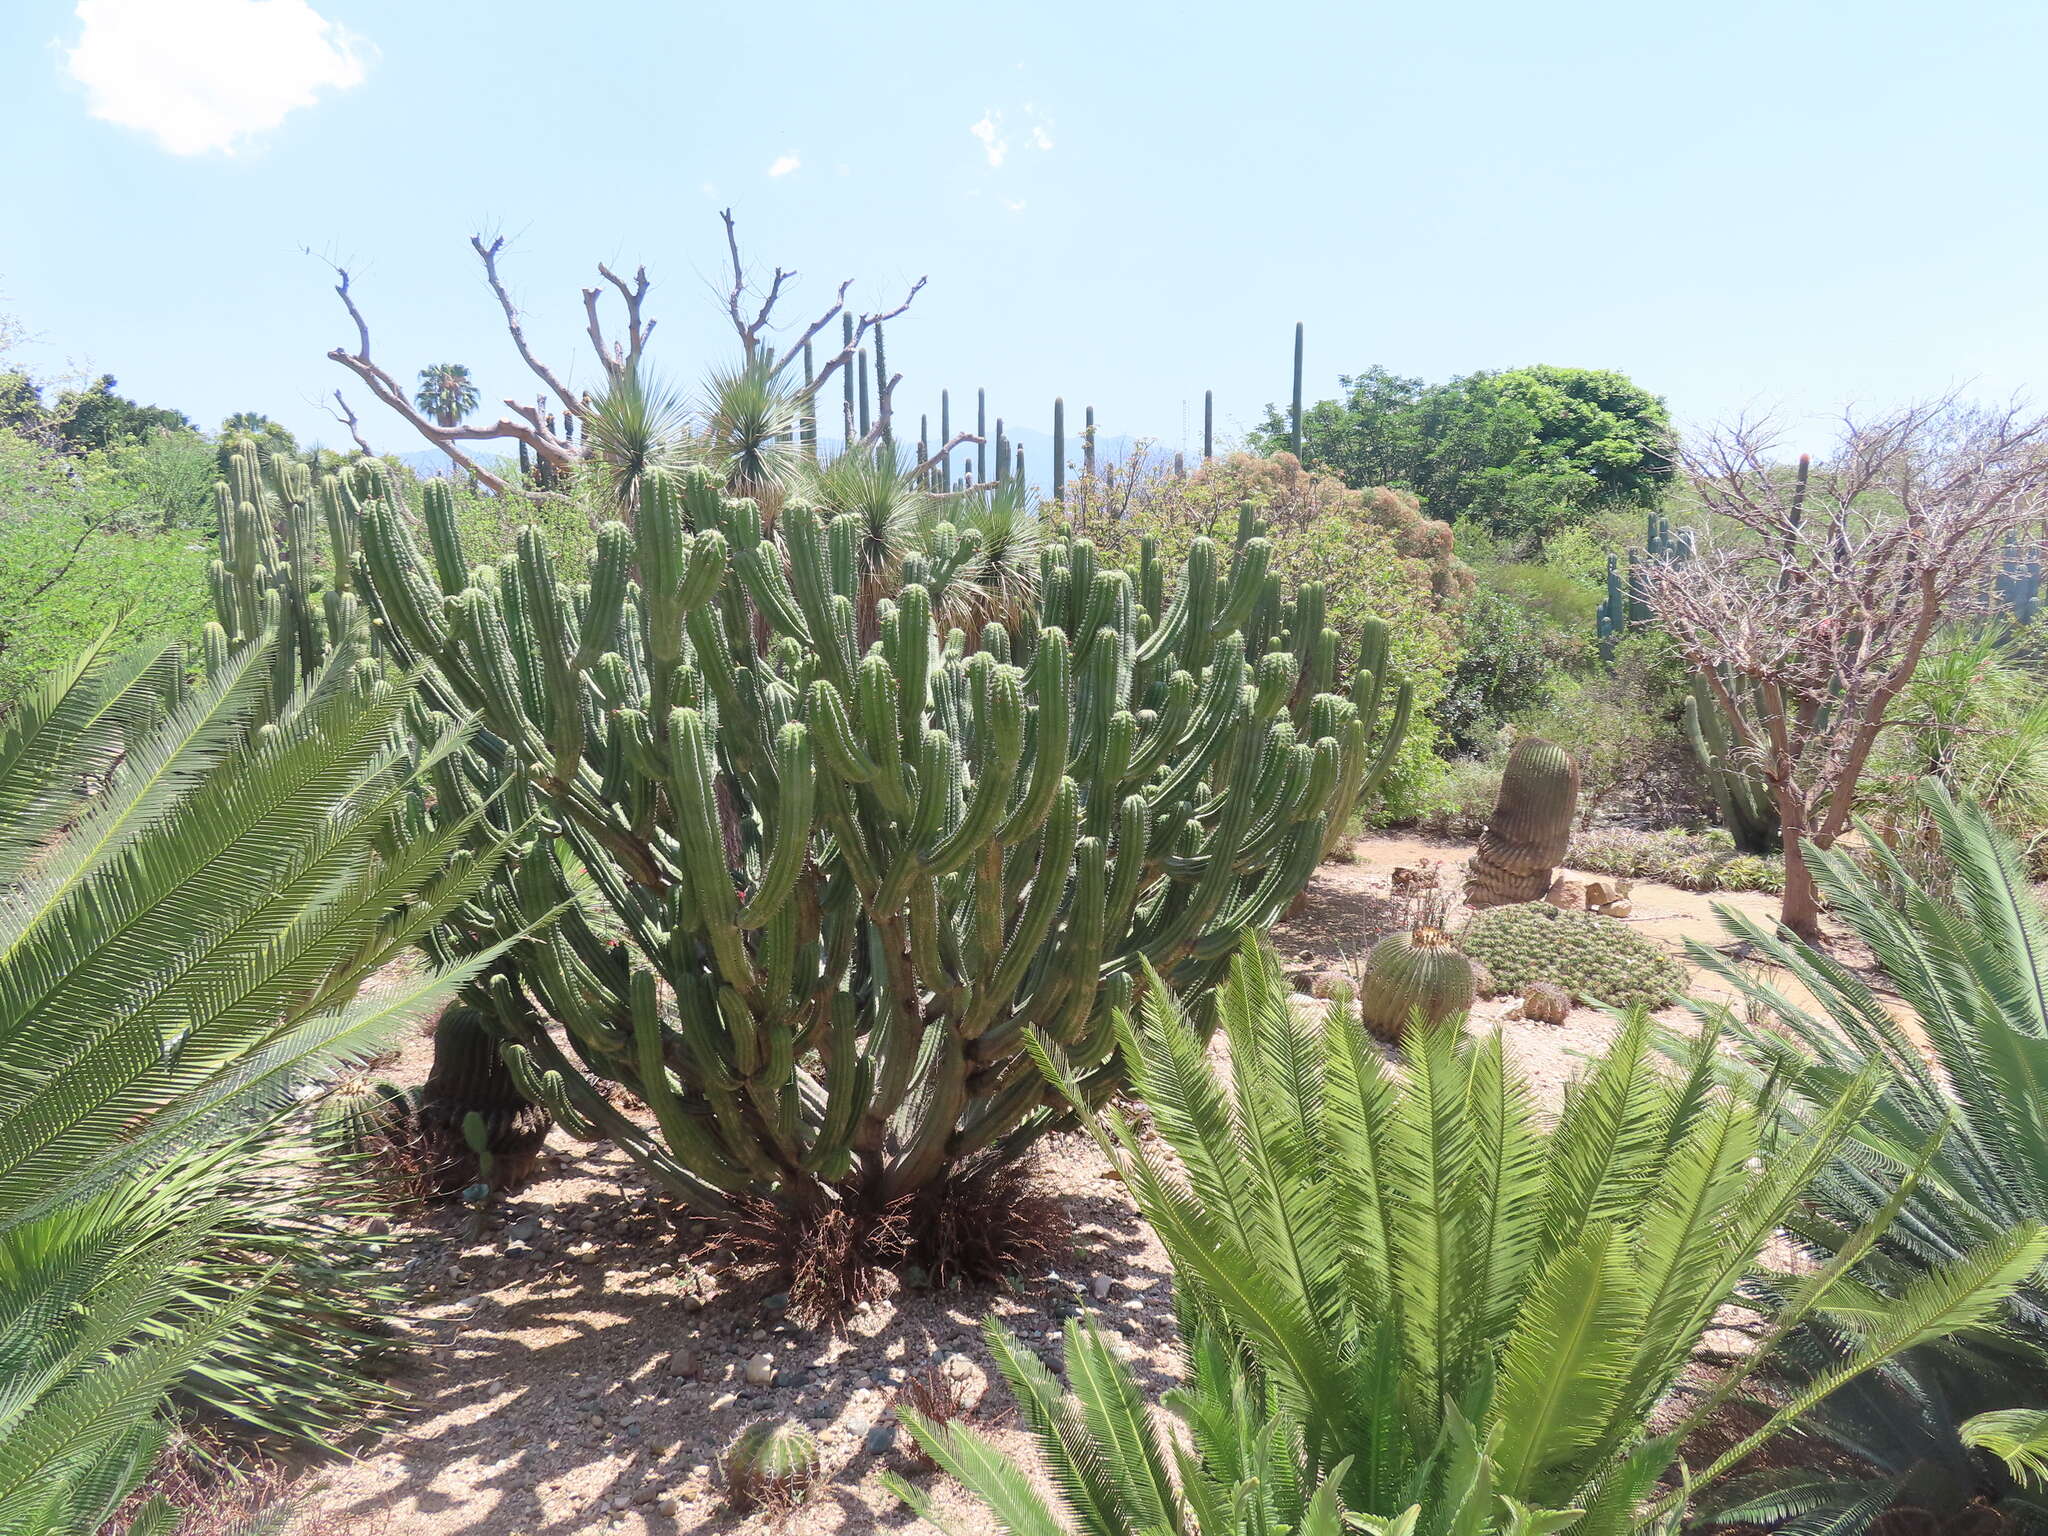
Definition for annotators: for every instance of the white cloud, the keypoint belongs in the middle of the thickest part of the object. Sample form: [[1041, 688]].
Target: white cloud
[[1014, 207], [201, 75], [1040, 137], [990, 131], [784, 164]]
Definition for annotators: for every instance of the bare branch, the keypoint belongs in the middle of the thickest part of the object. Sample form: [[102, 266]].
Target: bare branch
[[347, 417], [488, 255], [958, 440]]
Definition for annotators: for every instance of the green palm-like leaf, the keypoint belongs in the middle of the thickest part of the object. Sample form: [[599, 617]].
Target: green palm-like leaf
[[202, 942]]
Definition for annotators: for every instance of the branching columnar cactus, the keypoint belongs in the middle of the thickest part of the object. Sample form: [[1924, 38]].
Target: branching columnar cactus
[[283, 564], [1421, 969], [840, 883], [1748, 810], [1530, 826]]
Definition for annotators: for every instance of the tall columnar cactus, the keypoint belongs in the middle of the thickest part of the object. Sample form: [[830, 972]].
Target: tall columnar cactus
[[1626, 605], [2017, 582], [1418, 969], [1208, 424], [283, 563], [843, 882], [1748, 810], [1531, 824], [1610, 623], [1059, 449], [1294, 412]]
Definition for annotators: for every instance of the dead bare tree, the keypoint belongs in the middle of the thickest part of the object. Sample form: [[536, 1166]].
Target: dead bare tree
[[546, 431], [1818, 588]]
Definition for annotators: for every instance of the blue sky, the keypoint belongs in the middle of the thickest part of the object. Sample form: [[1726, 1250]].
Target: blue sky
[[1741, 204]]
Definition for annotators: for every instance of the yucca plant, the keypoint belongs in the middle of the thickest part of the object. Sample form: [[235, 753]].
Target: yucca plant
[[1968, 955], [195, 890], [1401, 1291]]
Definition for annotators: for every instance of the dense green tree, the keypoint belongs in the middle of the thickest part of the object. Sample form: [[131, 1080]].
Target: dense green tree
[[88, 420], [1521, 452], [272, 437]]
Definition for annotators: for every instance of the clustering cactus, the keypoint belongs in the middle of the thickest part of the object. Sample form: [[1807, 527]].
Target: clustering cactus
[[771, 1466], [1594, 959], [1545, 1002], [1626, 606], [283, 565], [1748, 809], [1418, 969], [1531, 824], [841, 882]]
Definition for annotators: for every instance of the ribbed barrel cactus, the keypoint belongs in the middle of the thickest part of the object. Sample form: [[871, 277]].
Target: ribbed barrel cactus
[[1417, 969], [813, 893], [1532, 822]]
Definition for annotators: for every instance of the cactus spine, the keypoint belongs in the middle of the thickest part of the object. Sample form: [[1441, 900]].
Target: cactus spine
[[1420, 969], [1530, 826], [852, 863]]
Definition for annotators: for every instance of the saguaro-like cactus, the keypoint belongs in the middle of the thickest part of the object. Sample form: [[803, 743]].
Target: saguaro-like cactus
[[843, 881], [1531, 823], [1748, 810]]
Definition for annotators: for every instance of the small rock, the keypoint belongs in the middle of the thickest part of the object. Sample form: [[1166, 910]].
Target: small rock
[[683, 1363], [723, 1401], [880, 1439], [1101, 1286], [1568, 894], [761, 1370], [1619, 908], [378, 1226]]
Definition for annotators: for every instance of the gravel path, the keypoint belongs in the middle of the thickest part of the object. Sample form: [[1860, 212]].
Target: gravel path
[[579, 1375]]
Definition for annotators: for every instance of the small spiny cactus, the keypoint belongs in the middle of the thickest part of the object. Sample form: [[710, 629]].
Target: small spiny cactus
[[1421, 969], [771, 1466]]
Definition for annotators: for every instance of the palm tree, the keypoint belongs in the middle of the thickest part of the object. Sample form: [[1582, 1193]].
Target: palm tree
[[194, 947], [446, 393], [1405, 1296]]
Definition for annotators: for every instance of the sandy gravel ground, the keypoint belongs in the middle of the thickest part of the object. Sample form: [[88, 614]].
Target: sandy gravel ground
[[578, 1374]]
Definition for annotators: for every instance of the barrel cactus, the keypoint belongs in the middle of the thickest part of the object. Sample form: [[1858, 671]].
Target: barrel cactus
[[474, 1122], [1531, 824], [1418, 969], [358, 1114], [771, 1466], [819, 864], [1593, 959]]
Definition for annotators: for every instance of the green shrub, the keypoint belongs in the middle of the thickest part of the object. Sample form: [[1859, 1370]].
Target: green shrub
[[1501, 672], [1692, 861], [79, 552], [1594, 958], [1411, 1301], [1376, 555]]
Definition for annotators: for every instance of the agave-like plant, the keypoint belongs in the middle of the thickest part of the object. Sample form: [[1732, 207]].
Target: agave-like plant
[[748, 426], [1402, 1294], [195, 942], [1969, 959]]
